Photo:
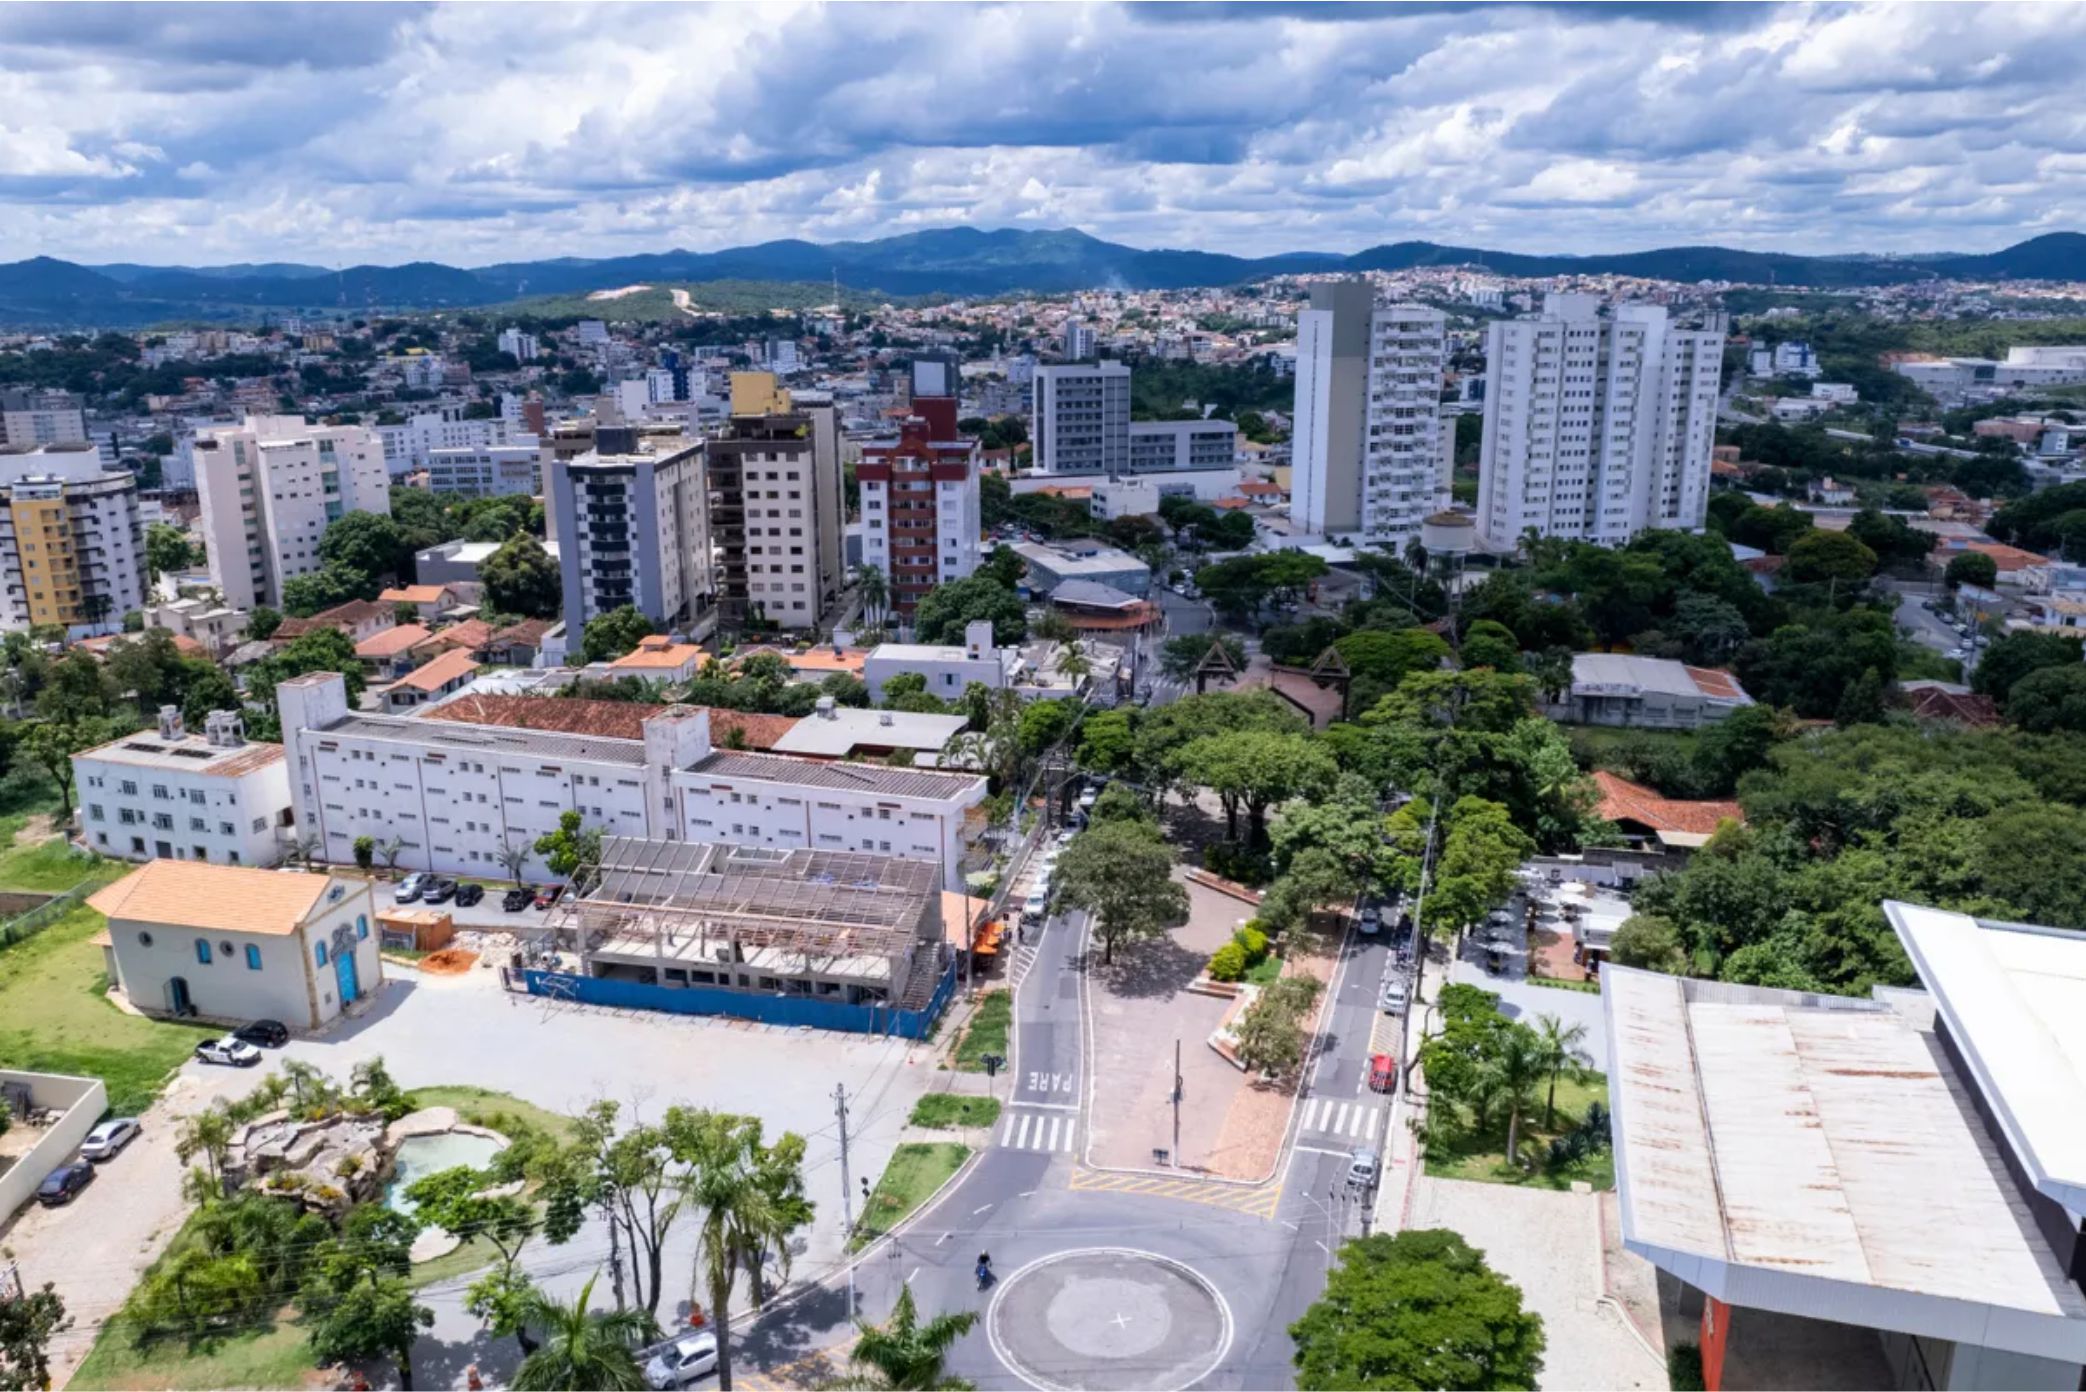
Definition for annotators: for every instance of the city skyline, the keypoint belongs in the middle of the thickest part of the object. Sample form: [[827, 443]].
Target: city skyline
[[465, 134]]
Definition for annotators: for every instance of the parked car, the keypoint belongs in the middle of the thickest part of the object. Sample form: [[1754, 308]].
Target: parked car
[[515, 900], [63, 1184], [1362, 1166], [108, 1138], [409, 888], [439, 890], [1088, 798], [548, 895], [467, 895], [681, 1360], [1036, 904], [266, 1034], [1383, 1073], [1393, 1000], [1371, 920], [234, 1053]]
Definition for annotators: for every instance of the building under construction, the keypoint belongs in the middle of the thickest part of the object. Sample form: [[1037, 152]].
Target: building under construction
[[691, 921]]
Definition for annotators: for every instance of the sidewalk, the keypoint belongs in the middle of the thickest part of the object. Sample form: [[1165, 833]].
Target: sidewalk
[[1402, 1160]]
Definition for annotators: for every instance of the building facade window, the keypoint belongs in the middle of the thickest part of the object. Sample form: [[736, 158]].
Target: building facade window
[[203, 952], [253, 957]]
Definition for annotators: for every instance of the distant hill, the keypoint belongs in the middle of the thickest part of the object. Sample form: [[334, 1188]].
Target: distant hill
[[944, 261]]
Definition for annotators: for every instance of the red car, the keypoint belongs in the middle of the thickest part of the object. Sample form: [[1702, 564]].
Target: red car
[[548, 895], [1383, 1073]]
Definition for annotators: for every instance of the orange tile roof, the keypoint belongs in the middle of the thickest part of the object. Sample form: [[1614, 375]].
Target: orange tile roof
[[567, 715], [434, 675], [2007, 557], [471, 633], [1712, 682], [414, 594], [215, 898], [669, 657], [1259, 488], [1622, 800], [1231, 504], [1928, 703], [818, 659], [391, 642]]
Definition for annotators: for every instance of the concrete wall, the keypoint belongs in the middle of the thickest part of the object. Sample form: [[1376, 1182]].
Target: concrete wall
[[81, 1100]]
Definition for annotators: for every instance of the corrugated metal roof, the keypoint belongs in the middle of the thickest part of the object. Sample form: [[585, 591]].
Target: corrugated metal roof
[[860, 778]]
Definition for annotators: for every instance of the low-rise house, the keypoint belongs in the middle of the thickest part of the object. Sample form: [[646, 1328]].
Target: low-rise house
[[517, 645], [216, 628], [441, 676], [390, 654], [359, 619], [1645, 817], [430, 602], [1649, 693], [834, 731], [658, 658], [1050, 564], [168, 794], [233, 944], [948, 668]]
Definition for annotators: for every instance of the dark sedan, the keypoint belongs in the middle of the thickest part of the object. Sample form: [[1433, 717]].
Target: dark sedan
[[63, 1184], [515, 900], [467, 895], [265, 1034]]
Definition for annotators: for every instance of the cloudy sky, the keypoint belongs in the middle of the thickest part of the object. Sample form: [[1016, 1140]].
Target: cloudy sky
[[472, 133]]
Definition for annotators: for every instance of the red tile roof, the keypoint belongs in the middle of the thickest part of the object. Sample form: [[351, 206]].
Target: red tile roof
[[609, 719], [1624, 801], [1932, 703]]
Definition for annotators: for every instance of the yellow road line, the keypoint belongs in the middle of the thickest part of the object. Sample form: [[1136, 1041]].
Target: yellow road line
[[1259, 1201]]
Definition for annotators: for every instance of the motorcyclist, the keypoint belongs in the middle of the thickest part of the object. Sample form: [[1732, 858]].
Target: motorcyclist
[[984, 1269]]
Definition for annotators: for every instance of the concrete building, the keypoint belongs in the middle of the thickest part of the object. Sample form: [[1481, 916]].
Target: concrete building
[[523, 346], [30, 417], [1368, 449], [410, 446], [217, 627], [775, 484], [1050, 564], [1081, 420], [465, 798], [494, 471], [168, 794], [72, 547], [232, 944], [269, 488], [1165, 447], [1597, 428], [633, 526], [1076, 343], [834, 731], [948, 667], [1878, 1192], [1646, 693], [455, 561], [922, 514]]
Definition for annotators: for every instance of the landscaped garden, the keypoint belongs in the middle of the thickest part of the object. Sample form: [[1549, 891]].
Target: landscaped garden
[[987, 1033], [947, 1111], [916, 1171], [1513, 1103]]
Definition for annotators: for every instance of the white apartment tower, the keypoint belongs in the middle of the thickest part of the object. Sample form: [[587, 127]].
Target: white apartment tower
[[524, 346], [1597, 428], [1368, 437], [633, 527], [268, 490], [1078, 342], [1081, 420]]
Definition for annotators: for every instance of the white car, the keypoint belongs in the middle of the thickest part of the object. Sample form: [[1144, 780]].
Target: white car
[[1369, 922], [1038, 901], [682, 1360], [109, 1137], [236, 1053], [1088, 798]]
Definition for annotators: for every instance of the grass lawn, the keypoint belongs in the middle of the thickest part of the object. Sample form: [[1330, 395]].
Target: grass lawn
[[915, 1172], [54, 867], [54, 1017], [274, 1355], [468, 1260], [987, 1033], [481, 1107], [946, 1111], [1266, 972], [1482, 1158]]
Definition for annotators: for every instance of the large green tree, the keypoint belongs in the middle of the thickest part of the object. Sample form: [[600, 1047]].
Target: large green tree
[[1417, 1309], [1123, 872], [609, 636], [2016, 655], [1251, 771], [941, 616], [521, 578], [369, 542], [2050, 700]]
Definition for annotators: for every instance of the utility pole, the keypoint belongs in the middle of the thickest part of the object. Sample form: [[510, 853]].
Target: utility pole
[[847, 1199], [1176, 1102], [615, 1257]]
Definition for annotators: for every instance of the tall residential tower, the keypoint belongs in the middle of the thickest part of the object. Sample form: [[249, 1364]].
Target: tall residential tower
[[269, 489], [1597, 428]]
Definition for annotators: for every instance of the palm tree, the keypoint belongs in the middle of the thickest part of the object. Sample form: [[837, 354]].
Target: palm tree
[[1563, 1052], [875, 592], [905, 1354], [208, 1133], [1511, 1078], [583, 1348], [736, 1214], [1073, 662]]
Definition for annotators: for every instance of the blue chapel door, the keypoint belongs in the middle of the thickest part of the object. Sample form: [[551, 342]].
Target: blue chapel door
[[344, 974]]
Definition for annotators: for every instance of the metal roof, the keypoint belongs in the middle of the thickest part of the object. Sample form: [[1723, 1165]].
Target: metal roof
[[1660, 674], [856, 778], [1819, 1155], [487, 739], [846, 728]]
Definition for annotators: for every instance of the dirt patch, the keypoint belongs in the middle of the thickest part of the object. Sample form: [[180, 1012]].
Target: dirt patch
[[39, 828], [450, 961]]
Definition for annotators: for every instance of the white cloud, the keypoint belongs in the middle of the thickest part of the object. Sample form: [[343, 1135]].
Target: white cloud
[[478, 133]]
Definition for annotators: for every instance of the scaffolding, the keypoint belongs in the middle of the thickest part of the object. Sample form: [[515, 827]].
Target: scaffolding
[[869, 920]]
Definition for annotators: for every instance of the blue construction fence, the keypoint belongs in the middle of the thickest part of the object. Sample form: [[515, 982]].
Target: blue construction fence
[[747, 1005]]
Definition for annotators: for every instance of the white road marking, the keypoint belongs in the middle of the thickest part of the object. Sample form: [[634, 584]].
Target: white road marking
[[1021, 1137], [980, 1209], [1320, 1150], [910, 1275], [1047, 1106]]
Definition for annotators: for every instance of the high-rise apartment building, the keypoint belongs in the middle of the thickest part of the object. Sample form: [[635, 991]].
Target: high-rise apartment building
[[1368, 449], [269, 488], [921, 508], [1077, 345], [523, 346], [631, 517], [775, 504], [1597, 428], [34, 417], [1081, 420], [72, 548]]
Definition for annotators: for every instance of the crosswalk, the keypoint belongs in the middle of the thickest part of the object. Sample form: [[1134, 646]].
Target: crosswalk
[[1018, 966], [1355, 1122], [1046, 1131]]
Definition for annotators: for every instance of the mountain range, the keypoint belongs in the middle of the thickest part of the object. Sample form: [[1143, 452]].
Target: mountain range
[[957, 261]]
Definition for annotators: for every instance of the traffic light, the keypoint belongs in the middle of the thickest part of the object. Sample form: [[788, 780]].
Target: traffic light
[[993, 1064]]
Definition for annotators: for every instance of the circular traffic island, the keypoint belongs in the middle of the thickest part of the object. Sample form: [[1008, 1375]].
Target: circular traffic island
[[1108, 1319]]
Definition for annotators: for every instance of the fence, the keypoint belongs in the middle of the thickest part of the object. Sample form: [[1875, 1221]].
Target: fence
[[792, 1011], [28, 925]]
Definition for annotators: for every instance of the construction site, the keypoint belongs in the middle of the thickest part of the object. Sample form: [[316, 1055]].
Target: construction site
[[712, 929]]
